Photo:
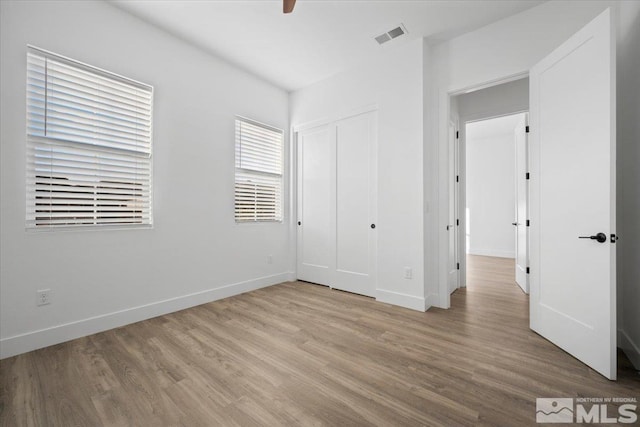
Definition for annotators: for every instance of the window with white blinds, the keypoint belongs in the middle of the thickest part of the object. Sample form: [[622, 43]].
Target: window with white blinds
[[258, 185], [88, 145]]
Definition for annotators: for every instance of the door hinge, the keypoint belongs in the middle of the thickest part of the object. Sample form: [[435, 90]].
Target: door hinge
[[528, 223], [457, 135], [527, 270], [526, 175], [458, 266], [526, 129], [457, 178], [457, 222]]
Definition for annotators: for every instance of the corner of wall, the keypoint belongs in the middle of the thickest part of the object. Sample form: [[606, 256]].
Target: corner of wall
[[402, 300], [631, 349]]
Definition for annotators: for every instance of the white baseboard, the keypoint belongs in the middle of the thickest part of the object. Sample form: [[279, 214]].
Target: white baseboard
[[492, 252], [631, 349], [430, 301], [403, 300], [34, 340]]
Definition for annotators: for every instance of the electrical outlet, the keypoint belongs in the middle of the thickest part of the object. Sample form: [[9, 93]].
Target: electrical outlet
[[270, 259], [408, 273], [44, 297]]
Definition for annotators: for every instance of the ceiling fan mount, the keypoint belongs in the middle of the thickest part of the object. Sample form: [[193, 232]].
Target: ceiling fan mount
[[287, 5]]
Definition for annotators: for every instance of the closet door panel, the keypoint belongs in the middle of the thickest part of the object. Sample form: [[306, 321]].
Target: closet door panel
[[314, 246], [352, 196], [355, 204]]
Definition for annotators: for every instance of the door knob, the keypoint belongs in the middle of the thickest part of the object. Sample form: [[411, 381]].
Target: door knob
[[299, 223], [373, 226], [600, 237]]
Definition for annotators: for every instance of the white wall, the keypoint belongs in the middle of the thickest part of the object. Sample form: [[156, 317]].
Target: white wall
[[494, 101], [394, 82], [195, 252], [490, 189], [509, 47]]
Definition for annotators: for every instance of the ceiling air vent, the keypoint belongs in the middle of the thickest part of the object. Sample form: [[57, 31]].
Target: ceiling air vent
[[392, 34]]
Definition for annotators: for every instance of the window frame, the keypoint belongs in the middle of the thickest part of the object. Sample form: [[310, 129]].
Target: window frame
[[87, 149], [279, 216]]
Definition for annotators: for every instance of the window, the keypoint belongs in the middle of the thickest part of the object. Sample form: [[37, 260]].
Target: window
[[258, 189], [88, 145]]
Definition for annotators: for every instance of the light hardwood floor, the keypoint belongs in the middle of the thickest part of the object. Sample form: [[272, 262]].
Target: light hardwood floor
[[301, 354]]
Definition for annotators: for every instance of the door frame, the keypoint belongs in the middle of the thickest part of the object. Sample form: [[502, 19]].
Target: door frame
[[454, 150], [445, 96], [523, 175]]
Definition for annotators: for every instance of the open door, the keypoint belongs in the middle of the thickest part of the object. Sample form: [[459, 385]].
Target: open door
[[572, 195], [522, 200]]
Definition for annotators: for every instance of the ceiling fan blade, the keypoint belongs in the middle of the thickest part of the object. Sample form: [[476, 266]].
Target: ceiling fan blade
[[287, 5]]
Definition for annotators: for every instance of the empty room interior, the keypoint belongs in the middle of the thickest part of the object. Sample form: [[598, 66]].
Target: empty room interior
[[315, 212]]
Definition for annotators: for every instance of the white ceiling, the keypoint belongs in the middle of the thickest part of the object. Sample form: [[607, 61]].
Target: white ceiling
[[320, 38], [492, 128]]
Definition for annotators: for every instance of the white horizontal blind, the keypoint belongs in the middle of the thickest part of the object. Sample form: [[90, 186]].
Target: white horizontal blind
[[258, 183], [88, 145]]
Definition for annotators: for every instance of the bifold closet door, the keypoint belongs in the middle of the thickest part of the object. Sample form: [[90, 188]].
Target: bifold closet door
[[354, 222], [314, 176]]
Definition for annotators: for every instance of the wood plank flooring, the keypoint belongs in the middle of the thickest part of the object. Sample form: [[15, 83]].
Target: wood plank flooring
[[301, 354]]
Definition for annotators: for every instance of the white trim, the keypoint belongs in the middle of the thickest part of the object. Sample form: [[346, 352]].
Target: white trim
[[481, 117], [34, 340], [430, 301], [492, 252], [631, 349], [488, 83], [403, 300]]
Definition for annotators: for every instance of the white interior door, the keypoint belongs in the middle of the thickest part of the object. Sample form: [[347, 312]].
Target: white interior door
[[522, 196], [313, 237], [355, 204], [572, 135], [452, 229]]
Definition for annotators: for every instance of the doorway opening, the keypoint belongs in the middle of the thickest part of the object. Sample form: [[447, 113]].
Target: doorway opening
[[496, 193], [488, 161]]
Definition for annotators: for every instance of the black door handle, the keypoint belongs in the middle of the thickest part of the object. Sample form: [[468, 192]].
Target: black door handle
[[373, 226], [600, 237], [514, 223], [299, 223]]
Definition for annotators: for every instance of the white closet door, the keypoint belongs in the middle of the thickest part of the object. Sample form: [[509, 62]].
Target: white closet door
[[355, 204], [314, 165]]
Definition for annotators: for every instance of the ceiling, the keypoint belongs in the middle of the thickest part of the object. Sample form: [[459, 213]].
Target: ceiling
[[492, 128], [320, 38]]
